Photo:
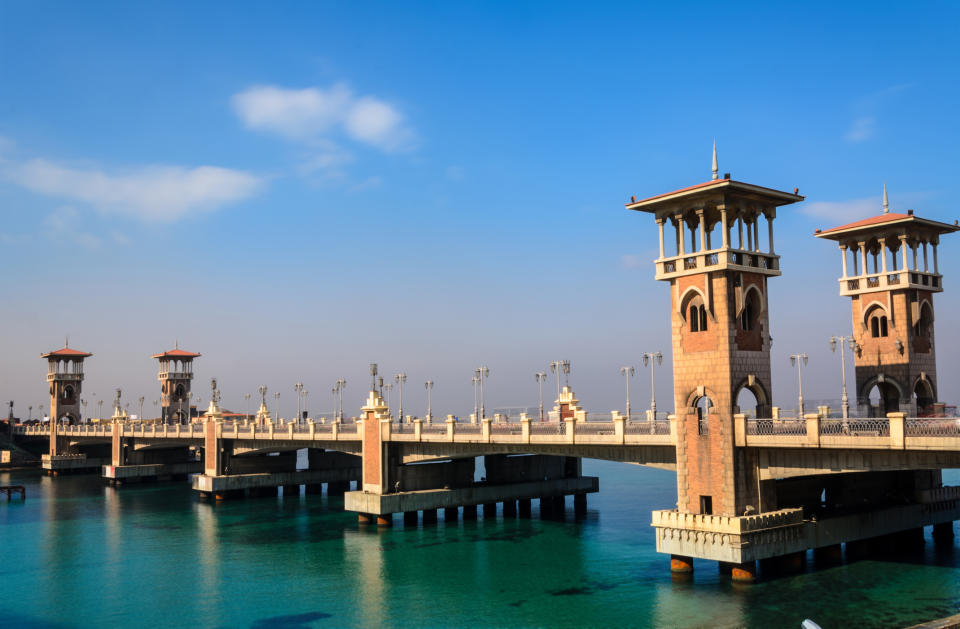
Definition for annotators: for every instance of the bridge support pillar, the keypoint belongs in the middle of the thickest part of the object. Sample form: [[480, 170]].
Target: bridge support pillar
[[291, 491], [450, 514], [489, 510], [469, 512], [524, 507], [337, 488], [943, 532], [510, 508], [828, 555], [364, 518], [410, 518], [314, 489], [429, 516], [681, 565], [580, 504]]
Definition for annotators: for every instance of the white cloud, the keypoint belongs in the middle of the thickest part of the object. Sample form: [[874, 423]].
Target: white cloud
[[631, 261], [155, 193], [863, 128], [63, 225], [309, 115], [844, 211]]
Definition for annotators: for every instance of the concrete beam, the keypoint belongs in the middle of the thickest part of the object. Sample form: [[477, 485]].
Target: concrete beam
[[220, 484], [364, 502], [153, 470]]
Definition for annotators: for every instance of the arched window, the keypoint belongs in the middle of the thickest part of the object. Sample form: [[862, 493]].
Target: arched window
[[883, 326], [696, 314], [751, 311], [922, 327], [875, 327], [179, 390]]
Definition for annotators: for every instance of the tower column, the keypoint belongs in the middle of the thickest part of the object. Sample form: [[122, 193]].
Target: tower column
[[843, 253], [703, 229], [925, 266], [725, 226], [903, 252], [660, 222], [936, 265], [682, 247], [756, 233], [863, 257], [769, 230], [883, 253], [740, 232], [914, 247]]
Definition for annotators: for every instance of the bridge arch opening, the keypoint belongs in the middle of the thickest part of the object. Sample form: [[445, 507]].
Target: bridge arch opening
[[703, 406], [880, 398], [747, 403], [924, 397]]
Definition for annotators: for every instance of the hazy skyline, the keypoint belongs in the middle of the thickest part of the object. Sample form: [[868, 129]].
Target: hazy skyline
[[298, 192]]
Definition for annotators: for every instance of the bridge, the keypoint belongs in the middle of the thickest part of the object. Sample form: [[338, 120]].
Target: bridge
[[749, 490]]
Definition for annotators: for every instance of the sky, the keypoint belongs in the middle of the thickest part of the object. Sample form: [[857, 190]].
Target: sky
[[296, 190]]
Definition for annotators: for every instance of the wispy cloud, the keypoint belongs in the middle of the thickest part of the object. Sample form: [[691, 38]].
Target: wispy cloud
[[844, 211], [63, 224], [862, 129], [631, 261], [311, 115], [153, 193]]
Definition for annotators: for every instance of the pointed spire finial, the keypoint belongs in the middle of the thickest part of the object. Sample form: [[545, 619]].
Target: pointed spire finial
[[716, 168], [66, 341], [886, 201], [176, 343]]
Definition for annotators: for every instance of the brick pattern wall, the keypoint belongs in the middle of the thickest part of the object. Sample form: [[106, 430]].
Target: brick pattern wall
[[879, 355], [710, 465]]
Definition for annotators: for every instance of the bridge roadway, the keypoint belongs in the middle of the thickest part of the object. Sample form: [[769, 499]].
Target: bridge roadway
[[787, 447]]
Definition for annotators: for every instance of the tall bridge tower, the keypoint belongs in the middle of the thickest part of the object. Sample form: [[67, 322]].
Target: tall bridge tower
[[717, 270], [176, 373], [890, 277], [65, 375]]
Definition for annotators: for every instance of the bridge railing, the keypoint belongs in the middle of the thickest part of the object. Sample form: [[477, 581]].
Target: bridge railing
[[785, 426], [865, 427], [657, 427], [931, 427]]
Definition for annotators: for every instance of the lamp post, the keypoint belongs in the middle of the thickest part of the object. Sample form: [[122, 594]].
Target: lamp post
[[99, 409], [627, 373], [428, 385], [654, 359], [29, 413], [140, 412], [306, 407], [475, 380], [483, 373], [334, 390], [298, 389], [276, 397], [799, 360], [400, 378], [541, 376], [83, 403], [842, 341], [262, 390], [557, 367], [189, 412], [386, 387], [341, 385], [155, 409], [373, 377], [246, 409], [41, 412]]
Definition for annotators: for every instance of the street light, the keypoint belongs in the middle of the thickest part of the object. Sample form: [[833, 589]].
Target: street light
[[246, 410], [799, 360], [99, 409], [627, 373], [373, 377], [189, 412], [155, 408], [262, 390], [306, 408], [276, 397], [541, 376], [483, 373], [334, 390], [653, 358], [475, 380], [341, 385], [557, 367], [83, 403], [298, 389], [400, 378], [428, 385], [140, 400], [843, 340], [386, 387], [30, 413]]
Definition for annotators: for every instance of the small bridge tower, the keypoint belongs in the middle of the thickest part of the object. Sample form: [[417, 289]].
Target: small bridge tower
[[717, 270], [65, 375], [176, 373], [890, 272]]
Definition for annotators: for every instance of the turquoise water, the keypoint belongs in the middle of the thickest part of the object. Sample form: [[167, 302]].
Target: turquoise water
[[80, 554]]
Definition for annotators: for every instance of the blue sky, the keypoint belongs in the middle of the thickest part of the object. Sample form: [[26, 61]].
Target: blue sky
[[296, 190]]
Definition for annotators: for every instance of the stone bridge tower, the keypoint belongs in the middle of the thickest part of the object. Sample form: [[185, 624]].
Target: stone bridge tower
[[718, 271], [176, 373], [891, 276], [65, 375]]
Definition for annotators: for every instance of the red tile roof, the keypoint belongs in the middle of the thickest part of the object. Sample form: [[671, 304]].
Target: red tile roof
[[882, 219], [687, 189], [725, 183], [67, 351], [176, 353]]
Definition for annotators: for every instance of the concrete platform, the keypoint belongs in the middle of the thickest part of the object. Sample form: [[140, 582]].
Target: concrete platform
[[427, 499], [234, 482], [741, 539], [62, 463], [128, 473]]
